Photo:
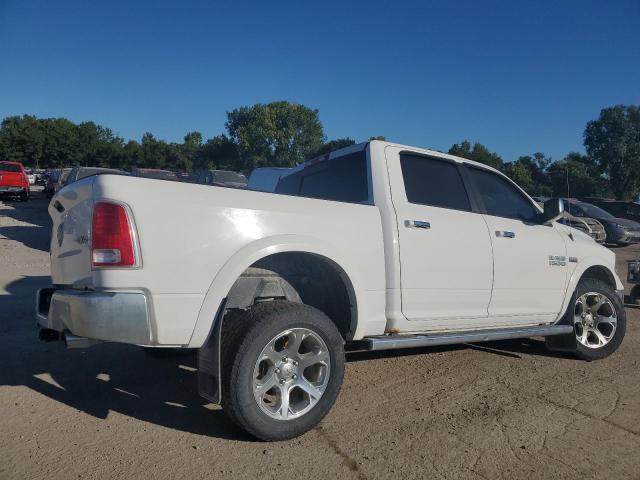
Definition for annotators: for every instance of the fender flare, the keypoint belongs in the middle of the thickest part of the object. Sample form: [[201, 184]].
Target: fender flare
[[576, 275], [250, 254]]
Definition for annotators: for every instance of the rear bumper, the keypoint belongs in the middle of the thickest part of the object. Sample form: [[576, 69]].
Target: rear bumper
[[12, 190], [108, 316]]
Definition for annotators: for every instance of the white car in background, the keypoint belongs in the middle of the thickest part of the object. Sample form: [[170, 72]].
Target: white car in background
[[375, 246]]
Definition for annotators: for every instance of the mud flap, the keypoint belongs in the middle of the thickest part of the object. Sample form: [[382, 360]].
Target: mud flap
[[209, 382]]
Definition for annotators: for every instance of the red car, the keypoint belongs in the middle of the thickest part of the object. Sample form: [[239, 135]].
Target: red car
[[14, 181]]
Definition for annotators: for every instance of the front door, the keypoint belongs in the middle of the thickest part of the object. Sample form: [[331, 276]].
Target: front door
[[530, 263]]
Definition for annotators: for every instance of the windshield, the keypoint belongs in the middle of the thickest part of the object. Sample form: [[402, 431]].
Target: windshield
[[8, 167], [588, 210]]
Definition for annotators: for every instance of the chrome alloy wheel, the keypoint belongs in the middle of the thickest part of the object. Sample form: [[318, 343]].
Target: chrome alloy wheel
[[291, 374], [594, 320]]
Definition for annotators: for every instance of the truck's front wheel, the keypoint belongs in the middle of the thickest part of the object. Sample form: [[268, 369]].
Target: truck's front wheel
[[283, 365], [599, 320]]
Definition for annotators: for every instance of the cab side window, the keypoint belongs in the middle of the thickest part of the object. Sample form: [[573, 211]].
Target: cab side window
[[432, 182], [500, 197]]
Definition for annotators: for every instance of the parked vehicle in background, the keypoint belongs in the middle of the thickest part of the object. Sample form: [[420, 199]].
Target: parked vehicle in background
[[155, 173], [265, 179], [633, 277], [50, 180], [40, 176], [223, 178], [62, 180], [14, 181], [78, 173], [378, 245], [620, 231], [620, 209], [30, 176], [590, 226]]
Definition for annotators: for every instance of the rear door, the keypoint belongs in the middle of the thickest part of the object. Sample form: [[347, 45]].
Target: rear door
[[530, 263], [445, 252]]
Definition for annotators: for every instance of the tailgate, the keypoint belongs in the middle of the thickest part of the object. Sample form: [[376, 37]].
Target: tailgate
[[11, 179], [71, 210]]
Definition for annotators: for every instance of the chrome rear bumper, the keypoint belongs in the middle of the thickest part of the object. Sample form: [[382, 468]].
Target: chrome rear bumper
[[108, 316]]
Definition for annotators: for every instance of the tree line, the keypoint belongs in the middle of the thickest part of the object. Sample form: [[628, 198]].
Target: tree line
[[283, 134]]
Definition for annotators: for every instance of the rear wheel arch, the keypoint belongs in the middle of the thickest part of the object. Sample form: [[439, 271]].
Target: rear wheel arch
[[300, 277]]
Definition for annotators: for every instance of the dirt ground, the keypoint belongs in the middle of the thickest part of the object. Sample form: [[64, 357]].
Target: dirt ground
[[500, 410]]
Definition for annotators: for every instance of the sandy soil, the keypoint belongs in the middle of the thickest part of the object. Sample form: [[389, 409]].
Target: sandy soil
[[500, 410]]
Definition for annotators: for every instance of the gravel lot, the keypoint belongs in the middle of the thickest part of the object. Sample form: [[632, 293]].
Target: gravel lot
[[500, 410]]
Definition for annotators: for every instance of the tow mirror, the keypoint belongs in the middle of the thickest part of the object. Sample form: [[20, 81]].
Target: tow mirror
[[553, 210]]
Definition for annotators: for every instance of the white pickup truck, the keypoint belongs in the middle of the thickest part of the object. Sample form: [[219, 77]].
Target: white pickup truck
[[374, 246]]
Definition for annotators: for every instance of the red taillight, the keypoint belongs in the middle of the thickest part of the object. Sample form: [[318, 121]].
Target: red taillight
[[111, 236]]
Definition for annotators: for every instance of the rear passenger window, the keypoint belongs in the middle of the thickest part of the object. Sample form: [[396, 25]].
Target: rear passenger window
[[500, 197], [428, 181], [342, 179]]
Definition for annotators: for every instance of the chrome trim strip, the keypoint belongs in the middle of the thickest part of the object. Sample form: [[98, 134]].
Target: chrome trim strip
[[391, 342]]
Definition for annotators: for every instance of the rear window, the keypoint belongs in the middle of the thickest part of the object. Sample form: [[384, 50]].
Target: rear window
[[428, 181], [342, 179], [7, 167]]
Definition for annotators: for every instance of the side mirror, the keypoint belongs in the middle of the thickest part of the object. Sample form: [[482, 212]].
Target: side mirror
[[553, 210]]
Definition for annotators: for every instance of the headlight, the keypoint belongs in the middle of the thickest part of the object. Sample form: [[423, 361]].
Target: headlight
[[617, 225]]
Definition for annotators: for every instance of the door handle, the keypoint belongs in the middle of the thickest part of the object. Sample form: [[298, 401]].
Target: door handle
[[417, 224], [505, 234]]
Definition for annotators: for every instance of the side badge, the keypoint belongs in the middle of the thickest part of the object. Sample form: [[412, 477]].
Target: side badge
[[557, 260]]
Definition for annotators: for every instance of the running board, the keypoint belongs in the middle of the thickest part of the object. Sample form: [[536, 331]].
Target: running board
[[392, 342]]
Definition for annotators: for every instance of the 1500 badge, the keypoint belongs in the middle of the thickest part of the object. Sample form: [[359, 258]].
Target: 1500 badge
[[557, 260]]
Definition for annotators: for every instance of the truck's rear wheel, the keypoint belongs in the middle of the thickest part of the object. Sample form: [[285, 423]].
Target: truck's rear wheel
[[283, 365], [599, 320]]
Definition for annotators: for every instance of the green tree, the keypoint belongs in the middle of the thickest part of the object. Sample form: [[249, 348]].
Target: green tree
[[332, 145], [613, 141], [477, 153], [576, 176], [278, 134], [530, 172], [218, 153]]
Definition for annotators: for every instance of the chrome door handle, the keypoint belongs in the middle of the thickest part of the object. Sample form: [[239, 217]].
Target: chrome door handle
[[505, 234], [417, 224]]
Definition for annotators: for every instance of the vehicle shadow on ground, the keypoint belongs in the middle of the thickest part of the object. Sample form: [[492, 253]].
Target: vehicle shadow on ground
[[37, 234], [105, 378], [507, 348], [121, 378]]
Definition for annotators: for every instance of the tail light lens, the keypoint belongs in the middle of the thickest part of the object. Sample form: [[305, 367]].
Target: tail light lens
[[111, 236]]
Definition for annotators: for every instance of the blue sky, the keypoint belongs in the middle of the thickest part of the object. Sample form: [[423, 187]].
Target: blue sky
[[517, 76]]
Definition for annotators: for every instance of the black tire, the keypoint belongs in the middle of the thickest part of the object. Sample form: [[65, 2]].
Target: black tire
[[24, 196], [598, 286], [244, 335]]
